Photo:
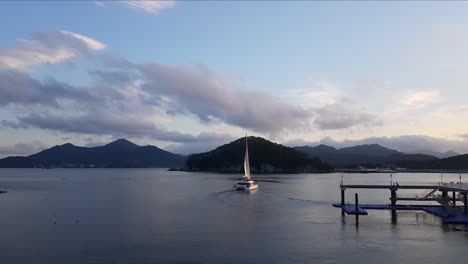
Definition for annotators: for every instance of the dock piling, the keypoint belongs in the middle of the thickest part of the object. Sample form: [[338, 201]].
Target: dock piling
[[444, 194], [342, 196], [356, 206], [342, 200], [465, 201], [454, 199], [393, 196], [394, 217], [356, 202]]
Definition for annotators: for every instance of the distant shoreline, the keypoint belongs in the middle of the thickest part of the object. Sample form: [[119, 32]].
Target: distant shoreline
[[237, 172]]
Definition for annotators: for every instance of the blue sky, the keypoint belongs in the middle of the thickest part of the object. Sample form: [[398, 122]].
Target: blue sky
[[198, 74]]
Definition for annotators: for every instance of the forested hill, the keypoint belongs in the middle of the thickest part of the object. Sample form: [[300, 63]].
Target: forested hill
[[265, 157]]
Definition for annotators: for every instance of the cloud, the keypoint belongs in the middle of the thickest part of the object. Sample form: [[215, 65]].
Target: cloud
[[165, 89], [99, 3], [126, 99], [46, 47], [420, 99], [211, 97], [463, 136], [202, 143], [103, 124], [13, 124], [117, 125], [22, 149], [20, 88], [336, 116], [318, 92], [152, 7], [331, 108]]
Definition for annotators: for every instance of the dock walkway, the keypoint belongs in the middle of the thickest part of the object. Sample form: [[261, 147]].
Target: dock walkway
[[447, 210]]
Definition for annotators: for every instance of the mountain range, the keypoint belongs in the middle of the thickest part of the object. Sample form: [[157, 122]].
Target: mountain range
[[440, 155], [410, 144], [375, 155], [265, 157], [118, 154], [372, 154]]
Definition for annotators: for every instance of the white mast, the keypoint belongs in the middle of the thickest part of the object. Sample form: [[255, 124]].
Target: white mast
[[246, 160]]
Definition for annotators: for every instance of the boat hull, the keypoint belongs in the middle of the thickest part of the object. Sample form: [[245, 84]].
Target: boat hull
[[246, 186]]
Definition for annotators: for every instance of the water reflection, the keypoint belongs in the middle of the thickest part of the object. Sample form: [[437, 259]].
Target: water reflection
[[394, 217], [177, 217]]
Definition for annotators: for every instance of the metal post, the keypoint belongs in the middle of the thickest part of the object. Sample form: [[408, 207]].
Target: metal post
[[393, 196], [465, 201], [356, 202], [394, 217], [342, 200], [454, 199], [342, 196]]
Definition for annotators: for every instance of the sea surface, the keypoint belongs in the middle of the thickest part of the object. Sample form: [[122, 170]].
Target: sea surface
[[156, 216]]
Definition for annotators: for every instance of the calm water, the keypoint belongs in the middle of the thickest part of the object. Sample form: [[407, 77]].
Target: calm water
[[155, 216]]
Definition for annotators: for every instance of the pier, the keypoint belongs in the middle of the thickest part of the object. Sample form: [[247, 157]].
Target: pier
[[451, 199]]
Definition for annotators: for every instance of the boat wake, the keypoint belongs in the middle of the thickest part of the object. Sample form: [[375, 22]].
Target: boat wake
[[309, 201], [272, 181], [216, 194]]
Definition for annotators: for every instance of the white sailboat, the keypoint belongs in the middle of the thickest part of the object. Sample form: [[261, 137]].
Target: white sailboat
[[245, 183]]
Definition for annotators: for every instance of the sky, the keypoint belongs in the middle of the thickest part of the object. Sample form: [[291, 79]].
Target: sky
[[188, 76]]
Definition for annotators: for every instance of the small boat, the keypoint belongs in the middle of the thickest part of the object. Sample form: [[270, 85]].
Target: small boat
[[245, 183]]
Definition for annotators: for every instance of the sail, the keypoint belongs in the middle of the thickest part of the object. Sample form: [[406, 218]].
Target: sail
[[246, 161]]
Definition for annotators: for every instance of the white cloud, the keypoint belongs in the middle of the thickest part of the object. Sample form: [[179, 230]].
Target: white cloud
[[413, 100], [99, 3], [316, 93], [90, 43], [202, 143], [420, 99], [332, 108], [22, 148], [46, 47], [152, 7], [337, 116], [213, 98], [463, 136]]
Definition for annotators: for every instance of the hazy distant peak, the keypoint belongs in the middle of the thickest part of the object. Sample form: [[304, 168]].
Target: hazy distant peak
[[325, 148], [440, 155], [369, 149], [405, 143], [121, 142], [64, 146]]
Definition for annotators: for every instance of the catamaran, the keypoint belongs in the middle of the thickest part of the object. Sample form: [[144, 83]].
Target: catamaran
[[245, 183]]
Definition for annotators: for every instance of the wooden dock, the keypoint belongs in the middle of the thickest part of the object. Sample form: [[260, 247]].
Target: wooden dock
[[351, 209], [447, 195]]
